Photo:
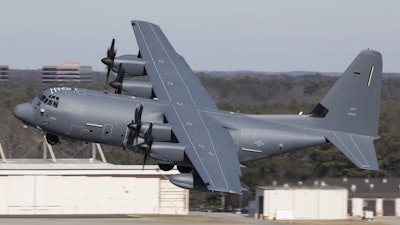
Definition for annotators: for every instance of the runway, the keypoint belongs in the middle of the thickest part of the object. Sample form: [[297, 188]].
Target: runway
[[194, 218]]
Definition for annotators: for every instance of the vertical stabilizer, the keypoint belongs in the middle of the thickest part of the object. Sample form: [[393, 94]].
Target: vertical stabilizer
[[352, 104], [349, 112]]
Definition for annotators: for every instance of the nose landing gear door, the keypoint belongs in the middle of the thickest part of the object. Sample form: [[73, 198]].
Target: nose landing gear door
[[107, 130]]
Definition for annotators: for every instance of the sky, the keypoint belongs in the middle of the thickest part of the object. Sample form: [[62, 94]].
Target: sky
[[223, 35]]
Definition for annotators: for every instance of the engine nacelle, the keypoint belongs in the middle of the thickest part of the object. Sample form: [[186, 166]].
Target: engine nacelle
[[143, 89], [183, 180], [167, 152], [134, 66], [188, 181], [162, 132]]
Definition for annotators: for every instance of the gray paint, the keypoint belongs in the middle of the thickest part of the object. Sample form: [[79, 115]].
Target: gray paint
[[190, 131]]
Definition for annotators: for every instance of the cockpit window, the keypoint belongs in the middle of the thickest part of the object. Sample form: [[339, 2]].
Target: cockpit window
[[41, 97], [50, 100]]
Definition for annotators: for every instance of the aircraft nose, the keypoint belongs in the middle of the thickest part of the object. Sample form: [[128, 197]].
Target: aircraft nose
[[24, 112]]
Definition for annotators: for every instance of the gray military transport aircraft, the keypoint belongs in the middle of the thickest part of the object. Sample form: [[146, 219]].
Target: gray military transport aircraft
[[171, 118]]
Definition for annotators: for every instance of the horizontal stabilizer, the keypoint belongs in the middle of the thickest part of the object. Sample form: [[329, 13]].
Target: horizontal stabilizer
[[358, 148]]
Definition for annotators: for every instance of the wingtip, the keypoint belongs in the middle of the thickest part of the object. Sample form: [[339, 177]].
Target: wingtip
[[373, 165], [134, 22]]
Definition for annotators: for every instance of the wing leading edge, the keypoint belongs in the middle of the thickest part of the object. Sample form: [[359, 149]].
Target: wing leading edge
[[166, 69], [209, 146]]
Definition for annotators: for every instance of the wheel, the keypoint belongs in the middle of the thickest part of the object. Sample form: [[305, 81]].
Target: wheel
[[52, 139], [166, 167], [185, 169]]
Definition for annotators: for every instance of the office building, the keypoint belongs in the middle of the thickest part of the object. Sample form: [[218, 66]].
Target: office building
[[4, 73], [67, 71]]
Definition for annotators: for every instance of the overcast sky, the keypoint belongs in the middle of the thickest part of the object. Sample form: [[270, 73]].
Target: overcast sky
[[256, 35]]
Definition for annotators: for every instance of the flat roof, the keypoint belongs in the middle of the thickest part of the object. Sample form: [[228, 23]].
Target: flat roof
[[76, 167], [300, 187]]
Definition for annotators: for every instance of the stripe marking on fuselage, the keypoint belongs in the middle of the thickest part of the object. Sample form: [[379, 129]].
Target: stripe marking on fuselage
[[371, 72], [94, 125], [251, 150]]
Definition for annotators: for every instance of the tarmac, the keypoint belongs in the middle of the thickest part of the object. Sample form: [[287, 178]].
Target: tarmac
[[194, 218]]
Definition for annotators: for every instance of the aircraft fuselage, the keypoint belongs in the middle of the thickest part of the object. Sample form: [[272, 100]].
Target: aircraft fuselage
[[102, 117]]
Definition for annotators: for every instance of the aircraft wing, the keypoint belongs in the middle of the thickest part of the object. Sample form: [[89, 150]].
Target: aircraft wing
[[209, 146], [166, 69]]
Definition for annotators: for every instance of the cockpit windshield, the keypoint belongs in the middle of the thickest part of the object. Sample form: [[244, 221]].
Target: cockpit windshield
[[50, 100]]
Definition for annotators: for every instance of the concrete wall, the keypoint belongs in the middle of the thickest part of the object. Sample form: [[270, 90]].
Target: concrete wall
[[70, 187], [304, 203], [41, 194], [397, 206], [359, 206]]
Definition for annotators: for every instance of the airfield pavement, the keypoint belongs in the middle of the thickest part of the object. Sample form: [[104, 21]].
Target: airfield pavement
[[194, 218]]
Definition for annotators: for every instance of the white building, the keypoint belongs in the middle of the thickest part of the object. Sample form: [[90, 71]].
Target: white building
[[299, 202], [77, 186], [378, 195]]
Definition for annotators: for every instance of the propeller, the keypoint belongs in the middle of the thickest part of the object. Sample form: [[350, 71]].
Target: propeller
[[117, 83], [148, 142], [135, 126], [109, 61]]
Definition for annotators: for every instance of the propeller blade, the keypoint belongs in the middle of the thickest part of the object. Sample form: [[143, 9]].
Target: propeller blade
[[121, 73], [148, 136], [108, 74], [135, 126], [117, 83], [109, 61], [111, 52], [145, 159], [111, 49], [148, 141], [138, 121], [138, 113]]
